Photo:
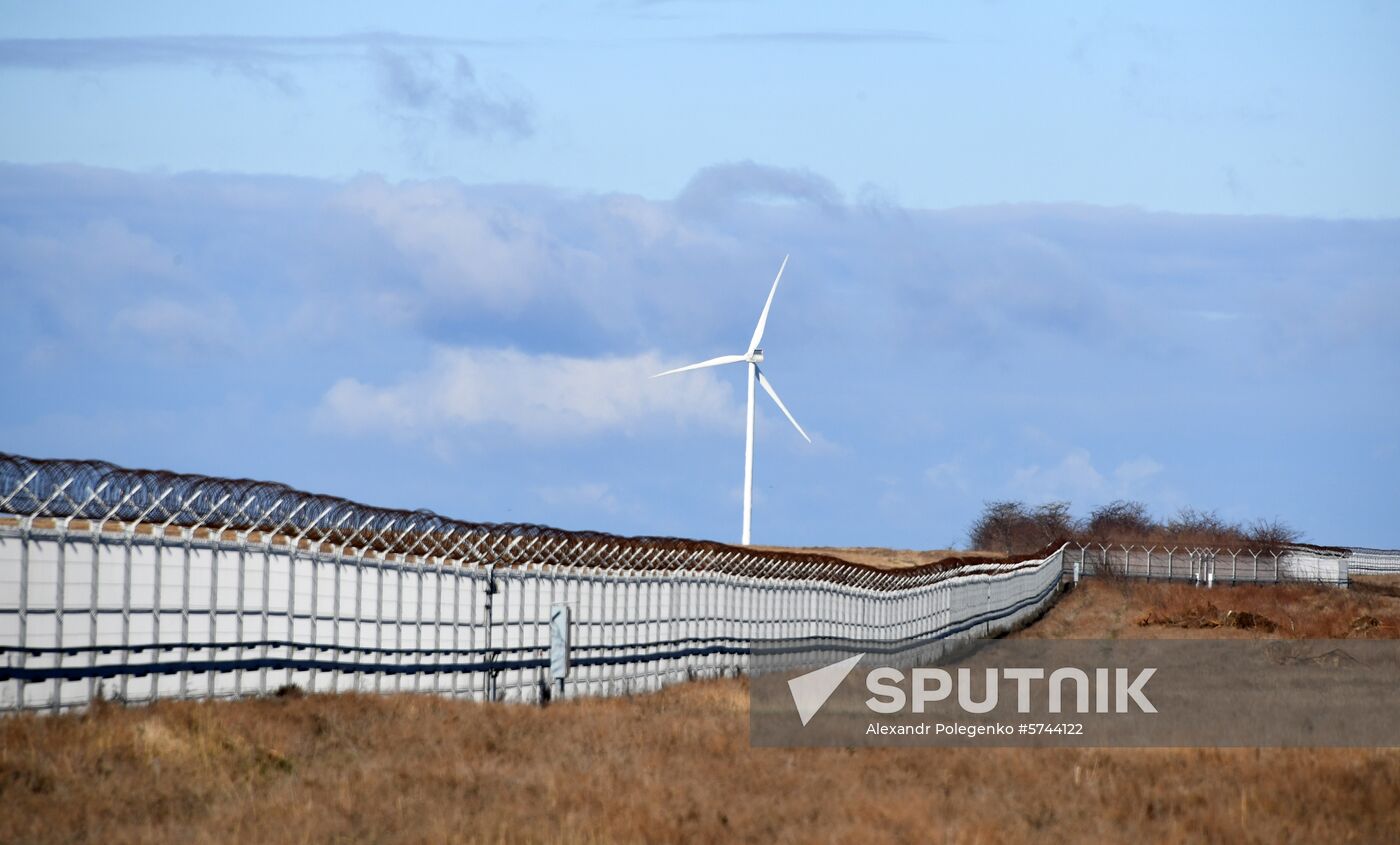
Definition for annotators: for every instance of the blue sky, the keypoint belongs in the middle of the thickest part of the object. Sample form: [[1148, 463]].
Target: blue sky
[[426, 258]]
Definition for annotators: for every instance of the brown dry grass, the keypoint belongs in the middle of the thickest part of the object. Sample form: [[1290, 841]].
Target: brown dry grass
[[675, 766], [1110, 608], [886, 558]]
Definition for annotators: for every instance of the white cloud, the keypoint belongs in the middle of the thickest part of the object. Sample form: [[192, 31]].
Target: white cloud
[[713, 188], [1130, 473], [534, 395], [612, 263], [421, 86], [181, 326], [949, 475], [1076, 479], [104, 251], [485, 253]]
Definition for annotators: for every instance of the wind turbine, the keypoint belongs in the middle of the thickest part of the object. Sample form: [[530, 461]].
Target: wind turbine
[[753, 357]]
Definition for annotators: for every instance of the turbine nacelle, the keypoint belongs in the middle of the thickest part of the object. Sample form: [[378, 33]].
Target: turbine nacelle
[[756, 357]]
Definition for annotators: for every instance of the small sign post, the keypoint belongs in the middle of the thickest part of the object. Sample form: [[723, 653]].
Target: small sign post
[[559, 645]]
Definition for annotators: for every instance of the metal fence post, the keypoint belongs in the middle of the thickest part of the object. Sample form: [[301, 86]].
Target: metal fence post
[[489, 585]]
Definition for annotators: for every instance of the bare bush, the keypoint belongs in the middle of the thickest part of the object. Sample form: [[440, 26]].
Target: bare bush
[[996, 529], [1016, 528], [1053, 521], [1193, 527], [1121, 520], [1013, 528], [1272, 533]]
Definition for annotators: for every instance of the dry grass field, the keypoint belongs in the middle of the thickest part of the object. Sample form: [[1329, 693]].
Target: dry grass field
[[677, 766], [887, 558], [1114, 608]]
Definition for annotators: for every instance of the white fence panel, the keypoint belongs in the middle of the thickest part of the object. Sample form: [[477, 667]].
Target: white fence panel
[[136, 615], [1374, 561]]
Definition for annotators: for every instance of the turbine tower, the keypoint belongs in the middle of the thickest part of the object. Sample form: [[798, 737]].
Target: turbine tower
[[753, 357]]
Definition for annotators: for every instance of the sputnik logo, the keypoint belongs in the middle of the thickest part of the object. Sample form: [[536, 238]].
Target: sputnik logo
[[810, 691]]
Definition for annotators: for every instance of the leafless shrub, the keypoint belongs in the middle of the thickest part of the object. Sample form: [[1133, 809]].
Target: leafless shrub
[[1271, 533], [1016, 528], [1013, 528], [996, 528], [1195, 527], [1053, 521], [1121, 521]]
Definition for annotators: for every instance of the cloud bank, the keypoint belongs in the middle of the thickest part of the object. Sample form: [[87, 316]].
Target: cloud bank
[[534, 395], [464, 347], [420, 80]]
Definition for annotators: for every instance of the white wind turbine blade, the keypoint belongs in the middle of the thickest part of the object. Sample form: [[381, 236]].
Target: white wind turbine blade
[[713, 362], [763, 318], [763, 381]]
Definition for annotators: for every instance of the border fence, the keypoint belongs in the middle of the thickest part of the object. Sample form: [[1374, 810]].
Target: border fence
[[1364, 561], [140, 585], [1211, 565], [137, 585]]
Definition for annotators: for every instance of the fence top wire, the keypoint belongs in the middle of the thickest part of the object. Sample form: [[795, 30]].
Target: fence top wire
[[103, 494], [1164, 546]]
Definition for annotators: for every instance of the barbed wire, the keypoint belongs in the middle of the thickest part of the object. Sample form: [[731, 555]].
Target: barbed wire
[[104, 494]]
